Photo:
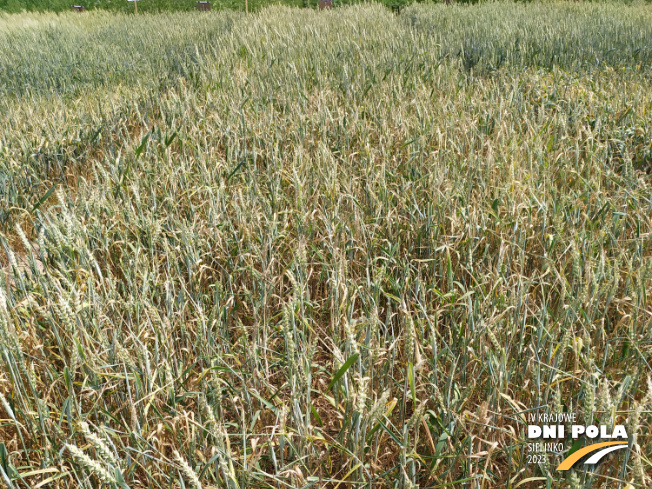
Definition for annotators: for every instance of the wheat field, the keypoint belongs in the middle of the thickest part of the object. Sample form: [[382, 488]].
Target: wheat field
[[342, 249]]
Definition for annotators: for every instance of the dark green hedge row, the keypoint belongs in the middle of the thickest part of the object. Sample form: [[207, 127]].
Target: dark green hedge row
[[13, 6], [164, 5]]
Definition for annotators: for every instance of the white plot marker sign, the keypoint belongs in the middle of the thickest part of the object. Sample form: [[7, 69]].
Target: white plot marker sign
[[135, 5]]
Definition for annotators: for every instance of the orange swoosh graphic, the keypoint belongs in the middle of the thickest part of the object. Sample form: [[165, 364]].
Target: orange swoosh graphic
[[570, 461]]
